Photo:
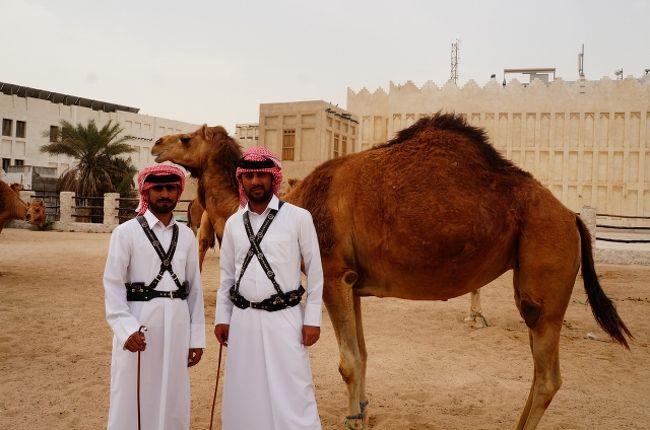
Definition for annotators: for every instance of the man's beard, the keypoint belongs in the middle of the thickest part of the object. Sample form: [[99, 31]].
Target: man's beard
[[263, 198], [159, 209]]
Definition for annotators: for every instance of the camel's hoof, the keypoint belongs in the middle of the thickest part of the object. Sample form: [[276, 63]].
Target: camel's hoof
[[354, 424], [477, 321]]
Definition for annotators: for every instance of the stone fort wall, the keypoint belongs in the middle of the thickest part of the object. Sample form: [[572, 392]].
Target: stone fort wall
[[587, 141]]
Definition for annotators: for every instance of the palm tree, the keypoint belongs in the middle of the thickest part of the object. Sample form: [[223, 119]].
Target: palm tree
[[122, 177], [99, 169]]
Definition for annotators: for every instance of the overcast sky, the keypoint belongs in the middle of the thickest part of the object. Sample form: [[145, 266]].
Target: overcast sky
[[215, 61]]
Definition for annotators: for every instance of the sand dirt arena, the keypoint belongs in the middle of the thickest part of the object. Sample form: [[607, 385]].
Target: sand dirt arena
[[427, 369]]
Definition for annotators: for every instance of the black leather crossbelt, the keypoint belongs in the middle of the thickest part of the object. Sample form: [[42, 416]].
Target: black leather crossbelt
[[278, 301]]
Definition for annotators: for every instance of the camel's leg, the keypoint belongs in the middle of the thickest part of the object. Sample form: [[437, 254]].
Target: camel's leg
[[205, 237], [546, 380], [218, 227], [542, 293], [339, 300], [476, 318], [361, 340]]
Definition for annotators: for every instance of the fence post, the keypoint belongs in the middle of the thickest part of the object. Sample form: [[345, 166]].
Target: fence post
[[66, 203], [110, 209], [588, 215]]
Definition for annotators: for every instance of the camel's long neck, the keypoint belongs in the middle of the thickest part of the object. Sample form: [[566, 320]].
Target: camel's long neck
[[221, 198]]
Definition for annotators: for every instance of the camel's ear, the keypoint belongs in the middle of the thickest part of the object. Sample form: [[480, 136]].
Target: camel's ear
[[206, 132]]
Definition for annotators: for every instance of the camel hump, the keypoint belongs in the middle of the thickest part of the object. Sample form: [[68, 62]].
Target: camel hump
[[441, 121], [455, 124]]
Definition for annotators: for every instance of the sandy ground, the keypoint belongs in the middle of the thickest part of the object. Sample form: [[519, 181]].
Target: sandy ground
[[427, 369]]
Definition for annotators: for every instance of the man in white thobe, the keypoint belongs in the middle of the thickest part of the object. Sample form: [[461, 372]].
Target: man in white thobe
[[174, 335], [268, 383]]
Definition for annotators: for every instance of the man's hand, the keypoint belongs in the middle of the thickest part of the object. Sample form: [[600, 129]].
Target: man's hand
[[221, 333], [136, 342], [194, 356], [310, 334]]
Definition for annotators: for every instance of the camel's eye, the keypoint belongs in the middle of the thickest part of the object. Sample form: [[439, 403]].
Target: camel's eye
[[185, 140]]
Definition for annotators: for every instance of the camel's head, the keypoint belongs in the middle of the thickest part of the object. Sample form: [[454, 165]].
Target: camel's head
[[190, 150], [36, 212], [16, 187]]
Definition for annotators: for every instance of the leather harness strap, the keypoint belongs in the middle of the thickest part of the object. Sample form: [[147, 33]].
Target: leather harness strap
[[278, 301], [138, 291]]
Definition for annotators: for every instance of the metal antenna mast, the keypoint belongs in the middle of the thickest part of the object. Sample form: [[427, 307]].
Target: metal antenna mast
[[581, 63], [454, 61]]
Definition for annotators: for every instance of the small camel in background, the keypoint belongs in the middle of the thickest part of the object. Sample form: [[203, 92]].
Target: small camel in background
[[13, 207]]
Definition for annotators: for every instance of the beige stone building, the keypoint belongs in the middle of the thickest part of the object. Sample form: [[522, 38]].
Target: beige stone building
[[307, 133], [247, 135], [587, 141], [31, 119]]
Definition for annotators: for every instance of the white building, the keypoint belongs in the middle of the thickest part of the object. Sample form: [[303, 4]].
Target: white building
[[31, 119]]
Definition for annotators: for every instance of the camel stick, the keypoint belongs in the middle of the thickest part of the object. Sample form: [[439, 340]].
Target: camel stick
[[138, 378], [216, 385]]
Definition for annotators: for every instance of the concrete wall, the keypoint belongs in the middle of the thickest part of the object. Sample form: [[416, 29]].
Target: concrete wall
[[587, 141]]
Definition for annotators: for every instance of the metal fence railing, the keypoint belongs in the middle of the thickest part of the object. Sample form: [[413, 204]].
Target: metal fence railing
[[622, 229], [88, 209], [52, 203]]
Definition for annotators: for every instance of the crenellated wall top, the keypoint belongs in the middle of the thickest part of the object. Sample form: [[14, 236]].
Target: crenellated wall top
[[601, 95]]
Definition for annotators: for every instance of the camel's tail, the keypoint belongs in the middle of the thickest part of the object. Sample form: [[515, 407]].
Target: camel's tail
[[601, 306]]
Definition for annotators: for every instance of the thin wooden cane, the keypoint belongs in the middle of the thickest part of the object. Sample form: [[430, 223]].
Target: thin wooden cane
[[138, 382], [216, 385]]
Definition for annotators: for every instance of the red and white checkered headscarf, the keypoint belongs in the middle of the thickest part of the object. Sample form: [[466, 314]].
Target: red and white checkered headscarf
[[259, 154], [157, 170]]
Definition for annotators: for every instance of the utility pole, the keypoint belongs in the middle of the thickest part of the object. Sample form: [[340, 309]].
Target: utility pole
[[454, 61]]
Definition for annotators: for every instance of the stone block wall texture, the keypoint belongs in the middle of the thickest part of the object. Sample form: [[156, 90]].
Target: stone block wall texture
[[587, 141]]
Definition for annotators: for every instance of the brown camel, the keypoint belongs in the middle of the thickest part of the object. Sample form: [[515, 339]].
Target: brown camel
[[207, 161], [12, 207], [433, 214]]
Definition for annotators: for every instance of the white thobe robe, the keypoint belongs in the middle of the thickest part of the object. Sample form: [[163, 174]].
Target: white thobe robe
[[173, 327], [268, 383]]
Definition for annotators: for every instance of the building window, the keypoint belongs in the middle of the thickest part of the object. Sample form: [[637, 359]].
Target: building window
[[21, 126], [288, 144], [6, 127], [54, 133], [18, 162], [5, 163], [344, 145], [336, 152]]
